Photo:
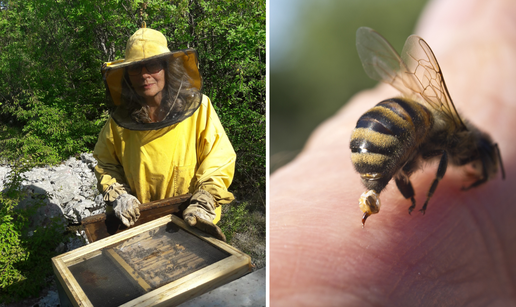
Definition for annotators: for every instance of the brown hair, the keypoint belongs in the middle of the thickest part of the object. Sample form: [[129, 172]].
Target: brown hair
[[178, 93]]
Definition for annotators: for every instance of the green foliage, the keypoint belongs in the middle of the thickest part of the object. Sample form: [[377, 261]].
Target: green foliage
[[233, 219], [244, 227], [51, 90], [11, 248], [231, 46], [25, 249]]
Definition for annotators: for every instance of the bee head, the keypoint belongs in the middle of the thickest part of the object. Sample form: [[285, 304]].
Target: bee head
[[369, 203], [490, 156], [493, 159], [487, 160]]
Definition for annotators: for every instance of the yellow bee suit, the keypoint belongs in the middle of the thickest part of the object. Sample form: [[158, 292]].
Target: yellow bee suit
[[193, 154]]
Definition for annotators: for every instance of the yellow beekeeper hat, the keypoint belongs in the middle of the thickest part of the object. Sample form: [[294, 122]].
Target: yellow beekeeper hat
[[147, 44]]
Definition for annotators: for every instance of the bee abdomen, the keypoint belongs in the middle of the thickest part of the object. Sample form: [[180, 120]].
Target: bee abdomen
[[369, 141], [384, 135], [417, 118], [384, 128], [372, 151], [382, 120], [390, 124]]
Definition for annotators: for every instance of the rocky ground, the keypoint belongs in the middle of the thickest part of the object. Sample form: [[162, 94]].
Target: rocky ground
[[72, 196], [71, 188]]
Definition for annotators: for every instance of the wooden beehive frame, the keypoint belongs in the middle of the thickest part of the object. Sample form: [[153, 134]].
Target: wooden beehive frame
[[173, 293]]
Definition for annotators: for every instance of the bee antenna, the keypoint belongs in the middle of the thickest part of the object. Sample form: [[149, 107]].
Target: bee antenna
[[500, 159]]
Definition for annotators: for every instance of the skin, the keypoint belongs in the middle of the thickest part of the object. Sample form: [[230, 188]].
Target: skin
[[150, 86], [463, 250]]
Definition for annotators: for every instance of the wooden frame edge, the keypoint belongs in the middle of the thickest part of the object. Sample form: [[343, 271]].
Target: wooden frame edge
[[70, 285], [185, 288], [188, 287]]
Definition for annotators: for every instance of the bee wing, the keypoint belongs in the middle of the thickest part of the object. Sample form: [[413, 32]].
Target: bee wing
[[416, 75], [382, 63], [423, 66]]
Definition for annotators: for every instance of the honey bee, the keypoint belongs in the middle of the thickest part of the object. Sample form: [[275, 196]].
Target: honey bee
[[393, 138]]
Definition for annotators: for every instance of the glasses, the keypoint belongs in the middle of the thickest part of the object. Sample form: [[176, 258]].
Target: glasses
[[152, 67]]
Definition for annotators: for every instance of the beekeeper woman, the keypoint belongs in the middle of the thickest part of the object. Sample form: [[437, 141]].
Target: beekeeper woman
[[163, 137]]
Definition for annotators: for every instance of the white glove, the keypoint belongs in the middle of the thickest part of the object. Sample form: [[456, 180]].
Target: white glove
[[201, 213], [126, 209], [202, 205]]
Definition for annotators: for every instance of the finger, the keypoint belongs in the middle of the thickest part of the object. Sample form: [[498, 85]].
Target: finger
[[190, 219], [125, 221], [133, 209], [136, 213], [210, 228], [128, 220], [129, 214]]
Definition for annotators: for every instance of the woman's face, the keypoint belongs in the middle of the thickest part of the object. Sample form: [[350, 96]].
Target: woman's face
[[148, 80]]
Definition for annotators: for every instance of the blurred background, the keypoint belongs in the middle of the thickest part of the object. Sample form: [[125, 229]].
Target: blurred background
[[314, 65]]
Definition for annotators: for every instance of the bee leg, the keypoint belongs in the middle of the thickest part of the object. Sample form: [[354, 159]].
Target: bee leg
[[406, 190], [500, 160], [441, 170]]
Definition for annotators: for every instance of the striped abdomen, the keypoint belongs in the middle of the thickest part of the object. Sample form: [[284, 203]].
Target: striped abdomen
[[385, 137]]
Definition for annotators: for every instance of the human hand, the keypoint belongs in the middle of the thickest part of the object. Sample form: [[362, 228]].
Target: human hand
[[201, 205], [201, 213], [126, 209], [462, 251]]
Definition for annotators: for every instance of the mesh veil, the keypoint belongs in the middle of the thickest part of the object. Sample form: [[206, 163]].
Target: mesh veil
[[182, 94]]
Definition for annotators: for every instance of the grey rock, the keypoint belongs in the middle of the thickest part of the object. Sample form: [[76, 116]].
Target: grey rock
[[89, 160], [69, 213], [41, 187], [65, 184], [46, 212], [3, 172], [77, 241], [79, 198], [70, 188], [99, 200], [51, 300], [87, 193], [79, 209]]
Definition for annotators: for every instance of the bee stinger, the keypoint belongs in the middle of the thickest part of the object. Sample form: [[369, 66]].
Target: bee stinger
[[394, 137]]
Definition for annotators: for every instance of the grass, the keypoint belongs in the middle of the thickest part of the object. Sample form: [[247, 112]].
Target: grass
[[243, 223]]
